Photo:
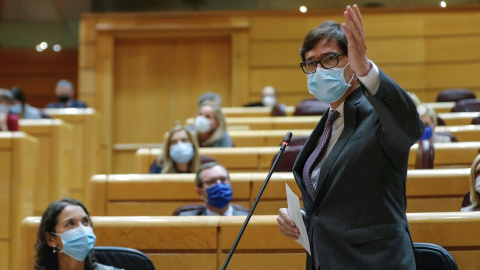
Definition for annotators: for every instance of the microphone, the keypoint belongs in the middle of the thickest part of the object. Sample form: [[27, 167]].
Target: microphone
[[285, 142]]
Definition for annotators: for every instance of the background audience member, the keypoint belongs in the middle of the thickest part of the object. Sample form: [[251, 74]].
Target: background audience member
[[212, 97], [415, 98], [20, 106], [65, 95], [429, 118], [8, 121], [269, 98], [182, 155], [210, 126], [213, 187], [474, 187], [65, 238]]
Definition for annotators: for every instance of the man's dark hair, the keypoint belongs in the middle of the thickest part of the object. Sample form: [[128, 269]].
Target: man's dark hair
[[205, 166], [330, 30]]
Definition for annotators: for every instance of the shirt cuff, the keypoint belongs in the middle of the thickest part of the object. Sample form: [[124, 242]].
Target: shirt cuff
[[372, 80]]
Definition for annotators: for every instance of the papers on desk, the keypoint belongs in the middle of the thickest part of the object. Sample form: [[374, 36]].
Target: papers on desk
[[296, 214]]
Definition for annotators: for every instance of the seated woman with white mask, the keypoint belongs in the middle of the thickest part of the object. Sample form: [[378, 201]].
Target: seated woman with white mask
[[474, 187], [210, 126], [66, 238], [180, 153]]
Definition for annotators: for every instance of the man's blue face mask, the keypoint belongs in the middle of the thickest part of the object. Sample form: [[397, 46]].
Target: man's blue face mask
[[328, 85], [219, 195]]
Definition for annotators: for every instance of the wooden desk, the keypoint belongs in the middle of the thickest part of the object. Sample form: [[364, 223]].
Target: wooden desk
[[86, 145], [270, 122], [253, 111], [439, 190], [250, 159], [465, 133], [161, 194], [458, 118], [203, 243], [55, 160], [18, 168]]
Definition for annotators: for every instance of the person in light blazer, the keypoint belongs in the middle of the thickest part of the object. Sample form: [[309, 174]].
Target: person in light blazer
[[354, 197]]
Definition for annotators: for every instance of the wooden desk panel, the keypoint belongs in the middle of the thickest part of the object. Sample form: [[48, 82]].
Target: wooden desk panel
[[55, 160], [438, 190], [86, 145], [166, 239], [18, 168]]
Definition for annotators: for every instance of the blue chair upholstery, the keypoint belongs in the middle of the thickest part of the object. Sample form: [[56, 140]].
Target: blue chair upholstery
[[123, 258], [433, 257]]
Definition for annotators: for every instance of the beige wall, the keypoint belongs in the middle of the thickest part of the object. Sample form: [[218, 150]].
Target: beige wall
[[143, 72]]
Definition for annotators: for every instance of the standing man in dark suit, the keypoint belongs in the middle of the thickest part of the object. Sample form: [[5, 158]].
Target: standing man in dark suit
[[213, 187], [352, 170], [66, 97]]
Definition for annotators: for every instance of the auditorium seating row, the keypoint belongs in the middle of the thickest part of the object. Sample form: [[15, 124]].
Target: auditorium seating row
[[309, 122], [255, 159], [438, 190], [439, 107], [203, 243]]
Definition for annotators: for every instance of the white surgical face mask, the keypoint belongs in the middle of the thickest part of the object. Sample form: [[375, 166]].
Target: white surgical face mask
[[477, 184], [202, 124], [328, 85], [269, 101], [181, 152]]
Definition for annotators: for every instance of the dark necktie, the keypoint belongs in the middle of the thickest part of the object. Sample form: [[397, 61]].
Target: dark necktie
[[317, 155]]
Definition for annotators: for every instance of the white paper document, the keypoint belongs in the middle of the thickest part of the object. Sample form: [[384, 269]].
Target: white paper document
[[294, 212]]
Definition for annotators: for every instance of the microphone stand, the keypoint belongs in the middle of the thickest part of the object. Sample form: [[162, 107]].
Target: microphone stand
[[285, 142]]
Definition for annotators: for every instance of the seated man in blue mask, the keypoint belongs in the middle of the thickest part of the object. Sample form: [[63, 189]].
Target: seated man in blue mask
[[213, 187]]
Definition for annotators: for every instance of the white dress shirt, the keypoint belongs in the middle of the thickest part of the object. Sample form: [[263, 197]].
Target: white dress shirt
[[371, 82]]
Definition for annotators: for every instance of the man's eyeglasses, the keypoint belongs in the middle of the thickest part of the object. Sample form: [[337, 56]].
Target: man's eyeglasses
[[328, 61], [213, 181]]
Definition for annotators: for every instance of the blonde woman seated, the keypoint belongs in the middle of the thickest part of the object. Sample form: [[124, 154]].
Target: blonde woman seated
[[210, 126], [474, 187], [180, 153]]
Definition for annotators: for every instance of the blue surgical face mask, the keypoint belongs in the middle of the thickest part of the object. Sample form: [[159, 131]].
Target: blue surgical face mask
[[328, 85], [202, 124], [16, 109], [219, 195], [427, 133], [78, 242], [181, 152]]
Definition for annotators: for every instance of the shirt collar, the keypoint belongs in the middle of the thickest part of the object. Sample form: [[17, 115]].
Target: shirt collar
[[229, 212]]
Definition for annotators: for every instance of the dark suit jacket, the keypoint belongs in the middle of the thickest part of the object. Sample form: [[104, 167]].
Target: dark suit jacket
[[70, 104], [358, 212]]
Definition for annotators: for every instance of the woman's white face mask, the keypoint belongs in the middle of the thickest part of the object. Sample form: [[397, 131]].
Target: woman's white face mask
[[477, 184]]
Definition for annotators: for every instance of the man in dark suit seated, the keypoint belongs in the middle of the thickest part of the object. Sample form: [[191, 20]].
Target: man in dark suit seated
[[65, 96], [213, 187]]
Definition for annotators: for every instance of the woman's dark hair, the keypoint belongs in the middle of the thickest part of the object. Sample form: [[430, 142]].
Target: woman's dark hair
[[18, 95], [45, 259], [330, 30]]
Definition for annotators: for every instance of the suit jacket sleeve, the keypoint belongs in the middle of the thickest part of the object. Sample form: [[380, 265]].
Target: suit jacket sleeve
[[397, 113]]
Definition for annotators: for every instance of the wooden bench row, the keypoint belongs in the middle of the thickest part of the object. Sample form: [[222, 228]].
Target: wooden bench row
[[440, 107], [251, 159], [439, 190], [309, 122], [203, 243]]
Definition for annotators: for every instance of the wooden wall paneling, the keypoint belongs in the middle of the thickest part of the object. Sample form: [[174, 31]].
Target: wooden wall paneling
[[104, 83], [240, 65], [396, 50], [445, 23], [453, 48]]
